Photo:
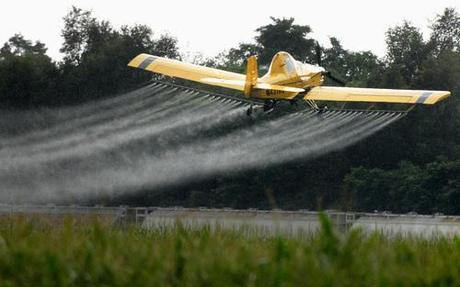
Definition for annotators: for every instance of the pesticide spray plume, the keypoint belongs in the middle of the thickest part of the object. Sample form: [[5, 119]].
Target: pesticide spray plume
[[161, 135]]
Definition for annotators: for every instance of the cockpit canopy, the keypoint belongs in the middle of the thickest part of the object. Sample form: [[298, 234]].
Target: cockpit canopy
[[284, 65]]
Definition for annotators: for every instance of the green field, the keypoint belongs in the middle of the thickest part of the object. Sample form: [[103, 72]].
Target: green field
[[38, 251]]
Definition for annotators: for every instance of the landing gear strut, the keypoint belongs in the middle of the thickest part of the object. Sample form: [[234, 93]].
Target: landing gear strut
[[269, 105], [294, 103], [249, 111], [322, 109]]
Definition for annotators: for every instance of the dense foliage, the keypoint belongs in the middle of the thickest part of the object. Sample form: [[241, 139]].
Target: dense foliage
[[94, 63], [44, 252], [411, 166]]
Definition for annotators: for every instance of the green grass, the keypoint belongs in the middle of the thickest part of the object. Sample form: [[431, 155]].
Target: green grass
[[38, 251]]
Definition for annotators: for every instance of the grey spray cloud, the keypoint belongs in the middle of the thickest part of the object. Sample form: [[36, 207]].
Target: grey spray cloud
[[156, 136]]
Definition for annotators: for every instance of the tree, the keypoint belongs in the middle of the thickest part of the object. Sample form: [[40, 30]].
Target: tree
[[281, 35], [18, 46], [335, 58], [406, 50], [431, 188], [27, 75], [96, 55], [446, 31], [236, 57], [76, 33], [356, 68], [284, 35]]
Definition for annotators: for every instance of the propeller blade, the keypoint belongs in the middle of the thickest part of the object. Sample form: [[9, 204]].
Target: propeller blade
[[328, 74], [335, 79], [318, 53]]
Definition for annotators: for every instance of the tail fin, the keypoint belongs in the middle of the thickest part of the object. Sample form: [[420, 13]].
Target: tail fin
[[252, 74]]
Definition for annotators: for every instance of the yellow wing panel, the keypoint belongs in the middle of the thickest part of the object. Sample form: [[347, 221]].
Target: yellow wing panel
[[341, 94], [239, 85], [182, 70], [231, 84]]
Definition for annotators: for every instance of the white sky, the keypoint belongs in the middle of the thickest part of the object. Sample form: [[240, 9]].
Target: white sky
[[209, 27]]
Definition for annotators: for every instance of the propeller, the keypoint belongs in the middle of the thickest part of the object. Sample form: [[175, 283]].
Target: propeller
[[328, 74], [334, 78], [318, 53]]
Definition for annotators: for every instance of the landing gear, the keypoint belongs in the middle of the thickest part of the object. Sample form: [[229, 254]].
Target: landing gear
[[294, 103], [313, 105], [322, 110], [269, 106], [249, 111]]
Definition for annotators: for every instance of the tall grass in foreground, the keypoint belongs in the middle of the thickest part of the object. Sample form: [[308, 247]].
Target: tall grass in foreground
[[42, 252]]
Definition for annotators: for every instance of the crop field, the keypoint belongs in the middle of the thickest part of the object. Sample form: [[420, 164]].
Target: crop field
[[87, 251]]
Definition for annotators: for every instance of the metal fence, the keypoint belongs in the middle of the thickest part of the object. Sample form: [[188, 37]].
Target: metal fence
[[287, 221]]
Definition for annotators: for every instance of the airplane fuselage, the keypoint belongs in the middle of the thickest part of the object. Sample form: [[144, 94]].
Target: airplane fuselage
[[286, 71]]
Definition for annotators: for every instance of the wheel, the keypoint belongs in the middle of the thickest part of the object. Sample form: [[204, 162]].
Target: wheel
[[269, 105], [249, 111]]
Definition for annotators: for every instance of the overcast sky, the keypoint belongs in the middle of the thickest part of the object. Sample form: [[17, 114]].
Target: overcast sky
[[208, 27]]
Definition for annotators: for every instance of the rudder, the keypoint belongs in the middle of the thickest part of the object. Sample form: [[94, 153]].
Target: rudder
[[252, 74]]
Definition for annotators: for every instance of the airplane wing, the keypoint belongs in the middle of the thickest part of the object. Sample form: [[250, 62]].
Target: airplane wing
[[239, 85], [342, 94], [200, 74], [186, 71], [265, 86]]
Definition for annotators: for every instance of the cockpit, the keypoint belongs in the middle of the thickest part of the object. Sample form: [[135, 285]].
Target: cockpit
[[301, 69], [304, 69]]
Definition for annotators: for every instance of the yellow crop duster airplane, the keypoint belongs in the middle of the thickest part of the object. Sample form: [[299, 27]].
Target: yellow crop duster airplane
[[286, 79]]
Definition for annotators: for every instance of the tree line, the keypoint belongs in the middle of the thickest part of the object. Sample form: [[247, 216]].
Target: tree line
[[93, 66], [414, 165]]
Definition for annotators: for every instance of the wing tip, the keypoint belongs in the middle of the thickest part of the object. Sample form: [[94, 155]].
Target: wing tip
[[435, 97], [137, 61]]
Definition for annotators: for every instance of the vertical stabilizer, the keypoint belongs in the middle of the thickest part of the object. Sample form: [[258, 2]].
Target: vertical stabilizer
[[252, 75]]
